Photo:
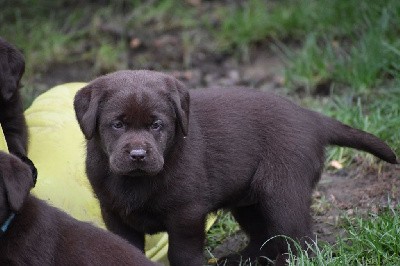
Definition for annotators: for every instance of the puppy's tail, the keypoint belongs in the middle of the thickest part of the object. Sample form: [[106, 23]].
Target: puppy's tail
[[342, 135]]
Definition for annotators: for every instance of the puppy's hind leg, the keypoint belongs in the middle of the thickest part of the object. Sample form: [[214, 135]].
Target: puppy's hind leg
[[252, 222], [286, 210]]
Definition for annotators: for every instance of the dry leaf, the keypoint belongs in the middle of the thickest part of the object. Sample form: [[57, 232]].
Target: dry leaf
[[336, 164]]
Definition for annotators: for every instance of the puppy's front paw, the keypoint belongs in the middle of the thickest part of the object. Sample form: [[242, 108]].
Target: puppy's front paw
[[31, 165]]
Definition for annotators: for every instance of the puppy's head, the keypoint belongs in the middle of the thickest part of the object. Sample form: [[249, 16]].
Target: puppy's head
[[12, 67], [15, 183], [136, 116]]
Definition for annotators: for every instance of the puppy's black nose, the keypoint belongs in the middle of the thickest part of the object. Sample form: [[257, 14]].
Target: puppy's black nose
[[138, 155]]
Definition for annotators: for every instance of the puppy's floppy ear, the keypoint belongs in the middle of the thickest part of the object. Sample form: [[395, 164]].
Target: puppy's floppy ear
[[86, 104], [18, 180], [12, 67], [181, 102]]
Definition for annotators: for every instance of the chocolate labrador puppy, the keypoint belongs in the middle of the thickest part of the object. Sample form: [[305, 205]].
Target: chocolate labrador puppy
[[12, 67], [160, 158], [34, 233]]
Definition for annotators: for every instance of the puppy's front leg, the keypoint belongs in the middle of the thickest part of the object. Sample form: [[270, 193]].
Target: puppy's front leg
[[14, 126], [186, 241], [115, 224]]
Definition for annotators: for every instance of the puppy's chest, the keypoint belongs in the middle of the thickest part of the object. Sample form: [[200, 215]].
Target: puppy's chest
[[140, 214], [145, 221], [138, 205]]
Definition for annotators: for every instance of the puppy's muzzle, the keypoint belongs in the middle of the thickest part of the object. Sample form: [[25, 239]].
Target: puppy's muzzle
[[138, 155]]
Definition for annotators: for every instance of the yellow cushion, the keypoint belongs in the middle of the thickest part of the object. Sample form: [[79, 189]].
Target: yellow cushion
[[3, 143], [57, 147]]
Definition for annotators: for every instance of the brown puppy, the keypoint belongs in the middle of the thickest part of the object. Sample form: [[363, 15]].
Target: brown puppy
[[160, 159], [34, 233], [12, 120]]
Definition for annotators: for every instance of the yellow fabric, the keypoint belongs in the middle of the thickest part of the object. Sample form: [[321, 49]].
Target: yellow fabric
[[57, 147], [3, 143]]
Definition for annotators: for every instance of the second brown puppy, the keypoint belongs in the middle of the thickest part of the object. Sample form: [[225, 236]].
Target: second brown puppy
[[34, 233], [160, 158]]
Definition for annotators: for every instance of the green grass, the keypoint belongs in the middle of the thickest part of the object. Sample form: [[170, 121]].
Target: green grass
[[358, 52], [373, 240], [241, 25], [224, 227], [29, 35], [351, 43], [370, 240], [64, 32]]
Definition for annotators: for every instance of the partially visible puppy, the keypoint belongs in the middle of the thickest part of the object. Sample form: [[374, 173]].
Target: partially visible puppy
[[12, 119], [34, 233], [12, 67]]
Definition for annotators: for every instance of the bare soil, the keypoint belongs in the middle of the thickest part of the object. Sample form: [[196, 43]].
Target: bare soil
[[359, 190]]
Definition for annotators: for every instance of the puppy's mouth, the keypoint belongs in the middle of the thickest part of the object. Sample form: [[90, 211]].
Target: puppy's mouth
[[133, 171], [122, 165], [140, 172]]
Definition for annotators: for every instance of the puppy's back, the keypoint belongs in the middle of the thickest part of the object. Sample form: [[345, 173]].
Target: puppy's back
[[97, 246], [273, 119], [44, 235], [83, 243]]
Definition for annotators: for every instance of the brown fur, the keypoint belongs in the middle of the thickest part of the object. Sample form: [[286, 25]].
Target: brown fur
[[43, 235], [254, 153], [12, 67]]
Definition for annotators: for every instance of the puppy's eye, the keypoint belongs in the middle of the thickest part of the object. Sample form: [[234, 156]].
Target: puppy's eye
[[157, 125], [117, 124]]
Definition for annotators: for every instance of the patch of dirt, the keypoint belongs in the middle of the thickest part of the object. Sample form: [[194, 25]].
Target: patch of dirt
[[356, 191], [60, 73], [264, 70]]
